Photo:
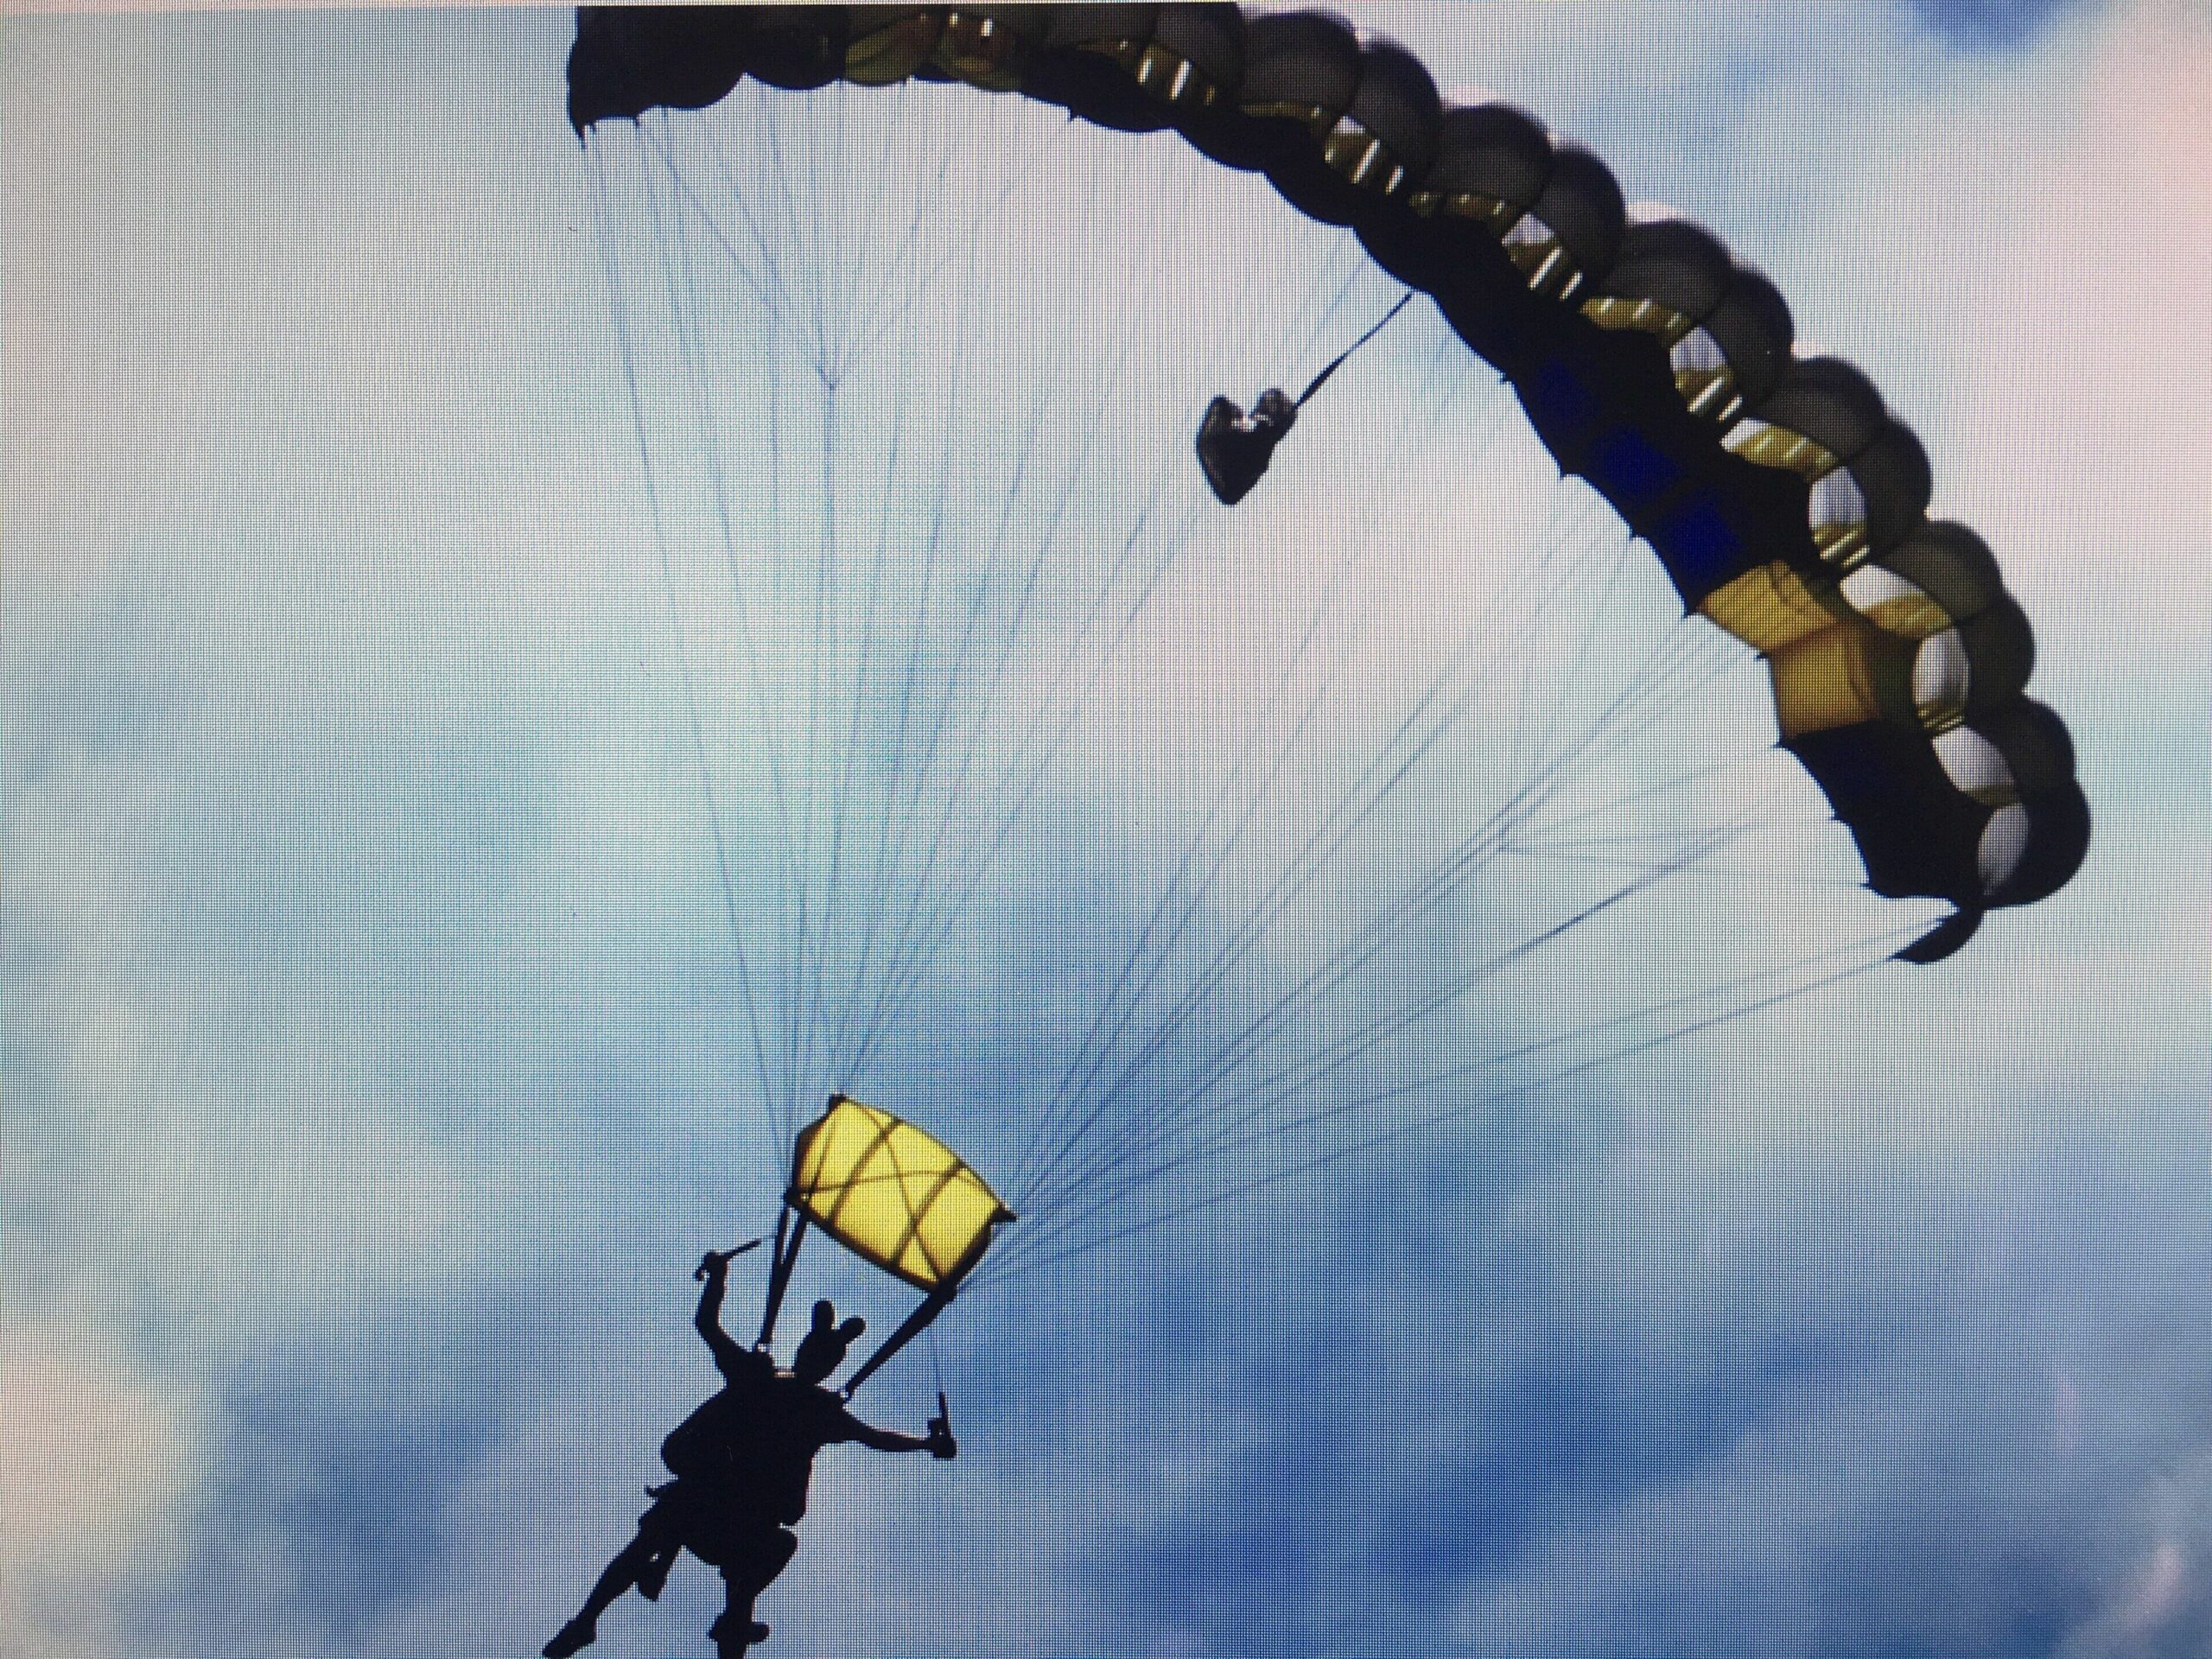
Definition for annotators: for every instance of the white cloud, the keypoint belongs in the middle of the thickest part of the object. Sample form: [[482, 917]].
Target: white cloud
[[97, 1466]]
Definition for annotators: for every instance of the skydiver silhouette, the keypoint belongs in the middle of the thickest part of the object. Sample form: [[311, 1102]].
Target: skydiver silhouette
[[742, 1463]]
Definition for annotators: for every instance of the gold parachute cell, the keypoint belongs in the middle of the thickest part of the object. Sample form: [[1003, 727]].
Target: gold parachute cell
[[1770, 607], [894, 1195]]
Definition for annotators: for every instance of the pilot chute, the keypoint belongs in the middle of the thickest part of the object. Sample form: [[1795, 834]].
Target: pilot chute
[[897, 1198]]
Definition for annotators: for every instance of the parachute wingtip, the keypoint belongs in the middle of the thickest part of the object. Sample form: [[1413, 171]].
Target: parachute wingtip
[[1943, 940]]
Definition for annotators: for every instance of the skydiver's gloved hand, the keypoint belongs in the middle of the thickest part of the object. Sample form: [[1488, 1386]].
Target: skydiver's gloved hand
[[714, 1264], [943, 1447]]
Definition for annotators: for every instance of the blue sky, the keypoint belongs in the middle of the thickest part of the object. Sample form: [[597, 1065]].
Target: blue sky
[[369, 1047]]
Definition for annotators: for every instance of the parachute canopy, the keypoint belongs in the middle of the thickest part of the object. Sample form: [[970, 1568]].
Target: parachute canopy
[[1785, 502], [894, 1195]]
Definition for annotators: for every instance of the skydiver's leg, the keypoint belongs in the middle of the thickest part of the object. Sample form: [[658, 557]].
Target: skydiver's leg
[[751, 1569], [652, 1578], [632, 1566], [622, 1572]]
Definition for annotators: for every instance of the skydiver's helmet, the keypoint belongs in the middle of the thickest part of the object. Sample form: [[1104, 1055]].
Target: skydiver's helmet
[[822, 1349]]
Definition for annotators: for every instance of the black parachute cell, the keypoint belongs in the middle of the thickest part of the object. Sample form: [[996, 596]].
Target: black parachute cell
[[1102, 26], [1916, 834], [1672, 263], [1780, 462], [2058, 840], [1752, 327], [1299, 65], [1094, 65], [1370, 151], [1397, 107], [1210, 37], [1299, 73], [1668, 286], [798, 48], [1826, 400], [2035, 744], [2000, 649], [2039, 754], [1486, 154], [627, 61], [1140, 68], [1582, 204], [1950, 564], [1892, 476]]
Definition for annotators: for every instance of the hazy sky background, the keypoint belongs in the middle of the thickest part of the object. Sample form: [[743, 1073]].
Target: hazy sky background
[[363, 1117]]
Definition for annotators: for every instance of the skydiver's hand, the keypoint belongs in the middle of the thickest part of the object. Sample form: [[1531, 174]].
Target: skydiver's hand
[[943, 1447], [714, 1264]]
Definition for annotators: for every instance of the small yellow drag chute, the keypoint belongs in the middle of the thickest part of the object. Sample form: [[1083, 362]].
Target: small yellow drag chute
[[896, 1196]]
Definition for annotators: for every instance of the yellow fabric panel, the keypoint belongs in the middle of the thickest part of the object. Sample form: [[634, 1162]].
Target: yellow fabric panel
[[1768, 608], [1317, 120], [1619, 311], [1360, 156], [1536, 251], [1825, 680], [1467, 204], [1167, 77], [1778, 446], [831, 1147], [892, 1194], [961, 1210], [1704, 378], [982, 51], [1841, 542], [1910, 616], [1706, 391], [885, 56]]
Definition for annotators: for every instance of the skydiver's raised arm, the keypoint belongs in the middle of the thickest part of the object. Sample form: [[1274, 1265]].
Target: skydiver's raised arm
[[730, 1359]]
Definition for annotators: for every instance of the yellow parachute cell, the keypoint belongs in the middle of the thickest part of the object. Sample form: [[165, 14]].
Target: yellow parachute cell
[[894, 1195]]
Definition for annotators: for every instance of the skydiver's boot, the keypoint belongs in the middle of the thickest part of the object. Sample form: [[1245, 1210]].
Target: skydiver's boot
[[574, 1637], [732, 1635]]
